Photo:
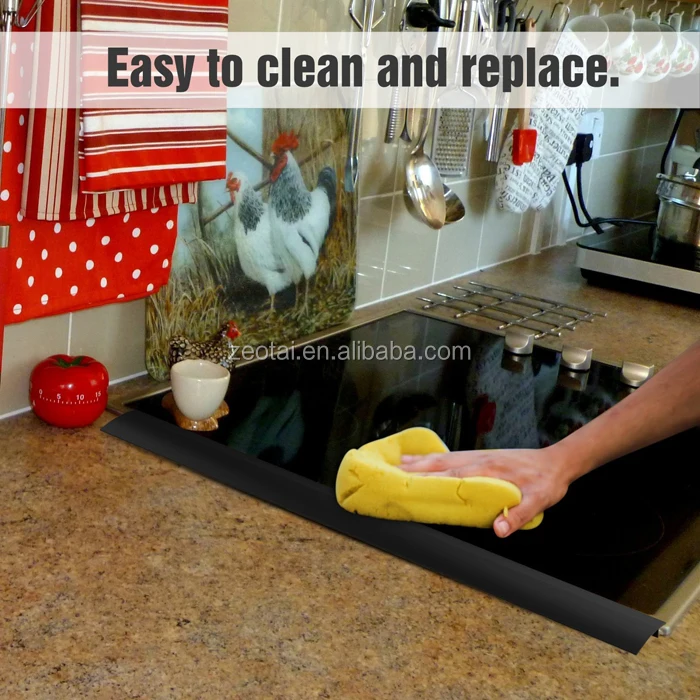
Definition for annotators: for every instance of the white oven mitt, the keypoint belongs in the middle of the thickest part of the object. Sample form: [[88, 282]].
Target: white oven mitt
[[533, 185]]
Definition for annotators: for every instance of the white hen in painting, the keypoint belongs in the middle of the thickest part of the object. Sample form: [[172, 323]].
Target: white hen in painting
[[253, 237], [300, 219]]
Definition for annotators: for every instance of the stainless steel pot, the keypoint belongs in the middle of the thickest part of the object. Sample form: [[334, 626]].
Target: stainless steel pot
[[678, 229]]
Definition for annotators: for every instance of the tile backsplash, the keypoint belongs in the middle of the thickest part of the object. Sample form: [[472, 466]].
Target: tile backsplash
[[396, 253], [115, 335]]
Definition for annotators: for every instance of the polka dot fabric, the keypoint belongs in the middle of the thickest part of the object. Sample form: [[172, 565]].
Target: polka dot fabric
[[59, 267]]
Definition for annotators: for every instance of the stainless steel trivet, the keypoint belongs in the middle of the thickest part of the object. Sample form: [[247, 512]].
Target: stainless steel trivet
[[543, 316]]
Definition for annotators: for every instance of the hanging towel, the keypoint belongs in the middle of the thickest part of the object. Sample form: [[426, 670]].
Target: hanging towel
[[55, 268], [556, 114], [127, 146], [50, 190]]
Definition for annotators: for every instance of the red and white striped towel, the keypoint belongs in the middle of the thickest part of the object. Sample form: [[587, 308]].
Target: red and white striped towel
[[50, 190], [126, 146]]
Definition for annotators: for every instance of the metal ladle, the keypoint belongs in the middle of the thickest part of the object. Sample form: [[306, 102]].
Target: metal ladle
[[455, 208], [424, 186]]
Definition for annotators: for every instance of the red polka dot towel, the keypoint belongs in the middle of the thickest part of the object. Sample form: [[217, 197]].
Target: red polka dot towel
[[56, 267]]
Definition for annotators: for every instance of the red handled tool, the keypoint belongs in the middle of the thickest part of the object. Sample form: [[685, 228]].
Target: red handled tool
[[525, 138]]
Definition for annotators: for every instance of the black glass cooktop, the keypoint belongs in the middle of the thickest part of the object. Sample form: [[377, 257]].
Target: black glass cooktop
[[629, 532]]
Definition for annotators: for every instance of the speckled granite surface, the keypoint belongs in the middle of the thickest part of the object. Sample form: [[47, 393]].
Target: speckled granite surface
[[123, 576]]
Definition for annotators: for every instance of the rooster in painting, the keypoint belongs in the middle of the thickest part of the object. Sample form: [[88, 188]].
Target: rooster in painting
[[220, 349], [252, 234], [300, 219]]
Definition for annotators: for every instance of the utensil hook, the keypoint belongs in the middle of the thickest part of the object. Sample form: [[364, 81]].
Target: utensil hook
[[566, 3], [368, 22]]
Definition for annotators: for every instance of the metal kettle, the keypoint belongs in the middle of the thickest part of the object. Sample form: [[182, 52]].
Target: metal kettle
[[678, 228]]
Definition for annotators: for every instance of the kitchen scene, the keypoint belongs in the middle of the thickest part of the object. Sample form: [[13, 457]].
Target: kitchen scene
[[338, 403]]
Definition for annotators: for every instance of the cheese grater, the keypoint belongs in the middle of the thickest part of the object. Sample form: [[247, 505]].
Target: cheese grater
[[454, 119], [452, 139]]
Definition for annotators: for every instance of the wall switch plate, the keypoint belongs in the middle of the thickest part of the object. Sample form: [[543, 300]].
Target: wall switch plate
[[593, 123]]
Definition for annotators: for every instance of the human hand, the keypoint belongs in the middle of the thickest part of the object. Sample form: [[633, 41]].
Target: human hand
[[542, 476]]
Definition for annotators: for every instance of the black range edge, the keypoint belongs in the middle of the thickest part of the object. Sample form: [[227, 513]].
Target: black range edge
[[569, 605]]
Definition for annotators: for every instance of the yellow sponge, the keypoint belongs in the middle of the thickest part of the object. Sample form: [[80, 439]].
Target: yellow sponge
[[370, 483]]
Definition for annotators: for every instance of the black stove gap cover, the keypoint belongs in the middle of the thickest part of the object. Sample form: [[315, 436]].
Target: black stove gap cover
[[588, 566]]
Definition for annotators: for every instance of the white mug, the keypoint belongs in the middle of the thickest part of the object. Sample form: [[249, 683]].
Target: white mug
[[199, 387], [626, 54], [592, 32], [655, 50]]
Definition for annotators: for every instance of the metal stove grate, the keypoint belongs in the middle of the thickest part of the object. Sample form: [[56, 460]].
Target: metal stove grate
[[543, 316]]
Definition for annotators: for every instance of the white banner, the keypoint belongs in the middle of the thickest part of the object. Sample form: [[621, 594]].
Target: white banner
[[203, 71]]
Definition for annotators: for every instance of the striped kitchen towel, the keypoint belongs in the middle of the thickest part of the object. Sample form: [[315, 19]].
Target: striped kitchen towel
[[126, 145], [50, 189]]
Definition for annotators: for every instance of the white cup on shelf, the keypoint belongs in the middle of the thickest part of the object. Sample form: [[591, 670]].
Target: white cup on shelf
[[626, 54], [655, 50]]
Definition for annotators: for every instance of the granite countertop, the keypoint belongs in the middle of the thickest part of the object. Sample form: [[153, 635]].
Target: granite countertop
[[124, 576]]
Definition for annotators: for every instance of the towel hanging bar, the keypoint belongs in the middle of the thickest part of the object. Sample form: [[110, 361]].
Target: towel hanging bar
[[11, 12]]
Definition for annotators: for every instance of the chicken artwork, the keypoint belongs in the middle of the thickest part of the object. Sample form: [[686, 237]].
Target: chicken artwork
[[278, 242], [300, 219], [253, 236], [274, 245]]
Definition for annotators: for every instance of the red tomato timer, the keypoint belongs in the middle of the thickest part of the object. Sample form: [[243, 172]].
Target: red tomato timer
[[69, 392]]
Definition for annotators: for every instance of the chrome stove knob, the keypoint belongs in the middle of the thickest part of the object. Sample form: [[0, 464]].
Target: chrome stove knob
[[577, 359], [634, 374], [520, 342]]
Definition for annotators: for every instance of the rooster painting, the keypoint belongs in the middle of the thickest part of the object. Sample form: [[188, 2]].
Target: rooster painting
[[300, 220], [272, 246], [253, 237]]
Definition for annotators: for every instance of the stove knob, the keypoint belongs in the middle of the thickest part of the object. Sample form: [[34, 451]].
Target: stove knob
[[577, 359], [635, 375], [520, 342]]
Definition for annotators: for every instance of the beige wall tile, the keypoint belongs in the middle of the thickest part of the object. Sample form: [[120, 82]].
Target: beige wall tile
[[373, 234], [114, 335], [458, 245], [501, 233], [549, 220], [27, 344], [527, 231], [646, 193], [260, 16], [690, 123], [614, 182], [660, 126], [377, 159], [314, 16], [624, 129], [411, 253]]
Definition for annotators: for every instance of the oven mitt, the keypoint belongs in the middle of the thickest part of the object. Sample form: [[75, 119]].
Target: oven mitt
[[533, 185], [370, 483]]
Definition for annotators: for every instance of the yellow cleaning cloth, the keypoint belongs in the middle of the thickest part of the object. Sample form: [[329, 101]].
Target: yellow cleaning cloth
[[370, 483]]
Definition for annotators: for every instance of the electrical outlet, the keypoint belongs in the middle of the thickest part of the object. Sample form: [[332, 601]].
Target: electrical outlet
[[593, 123]]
